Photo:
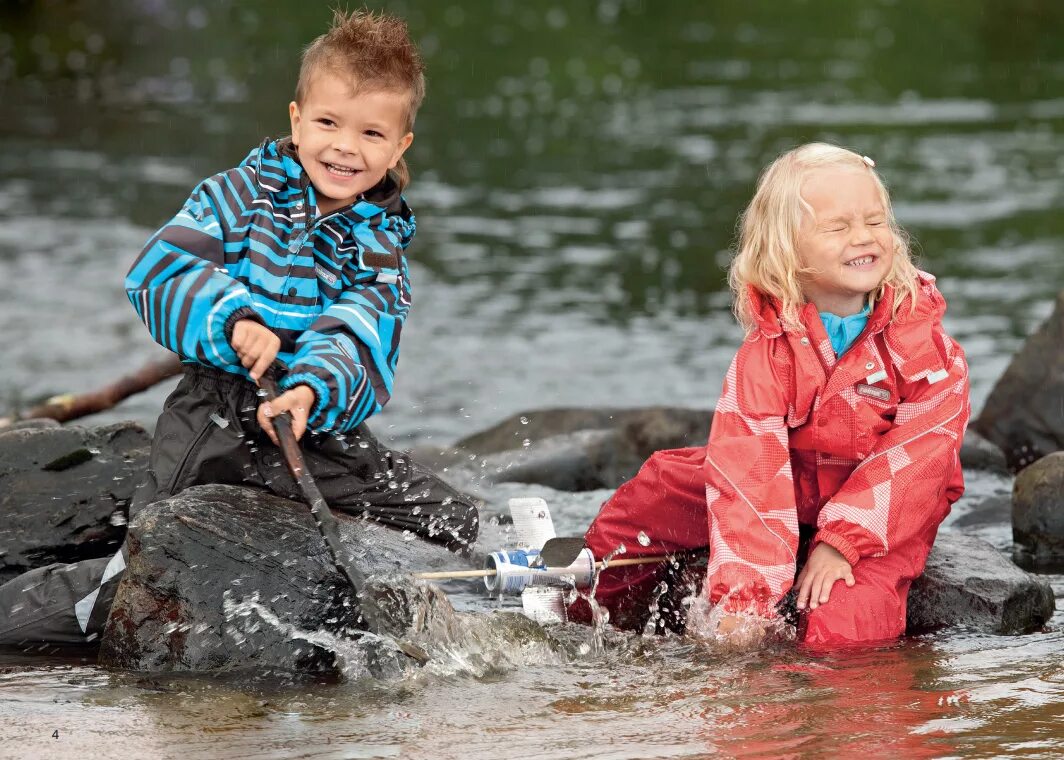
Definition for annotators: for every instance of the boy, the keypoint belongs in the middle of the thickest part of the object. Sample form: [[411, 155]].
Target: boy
[[296, 255]]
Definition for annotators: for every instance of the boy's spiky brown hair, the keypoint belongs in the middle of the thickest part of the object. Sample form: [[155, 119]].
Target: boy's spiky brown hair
[[373, 50]]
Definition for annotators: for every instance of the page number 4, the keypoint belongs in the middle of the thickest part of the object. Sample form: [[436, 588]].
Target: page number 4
[[55, 734]]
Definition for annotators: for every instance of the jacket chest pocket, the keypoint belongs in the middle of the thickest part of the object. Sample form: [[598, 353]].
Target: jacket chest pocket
[[874, 411], [848, 424]]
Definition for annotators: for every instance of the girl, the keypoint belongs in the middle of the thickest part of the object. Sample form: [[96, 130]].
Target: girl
[[840, 421]]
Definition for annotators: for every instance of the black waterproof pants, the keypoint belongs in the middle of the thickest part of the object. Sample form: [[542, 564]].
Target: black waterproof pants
[[207, 434]]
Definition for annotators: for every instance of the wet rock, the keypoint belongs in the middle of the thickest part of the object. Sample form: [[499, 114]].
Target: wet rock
[[224, 578], [967, 583], [65, 492], [658, 423], [977, 453], [990, 510], [1038, 514], [570, 449], [1023, 415], [32, 424]]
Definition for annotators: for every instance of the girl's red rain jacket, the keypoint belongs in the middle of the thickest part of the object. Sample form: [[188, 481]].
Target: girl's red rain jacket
[[865, 447]]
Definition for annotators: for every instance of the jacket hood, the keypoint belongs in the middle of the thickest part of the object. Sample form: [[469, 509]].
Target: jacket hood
[[278, 172], [908, 332]]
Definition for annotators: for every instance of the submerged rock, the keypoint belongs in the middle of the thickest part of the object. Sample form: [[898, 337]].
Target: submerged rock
[[1038, 514], [967, 583], [65, 492], [570, 449], [221, 577], [1023, 415]]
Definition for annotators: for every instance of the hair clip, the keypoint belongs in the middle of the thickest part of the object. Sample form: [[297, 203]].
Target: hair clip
[[870, 162]]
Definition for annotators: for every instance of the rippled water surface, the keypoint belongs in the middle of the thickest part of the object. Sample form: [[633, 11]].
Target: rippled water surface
[[578, 171]]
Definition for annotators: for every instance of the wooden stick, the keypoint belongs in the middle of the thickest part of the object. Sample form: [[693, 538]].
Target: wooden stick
[[551, 571], [323, 516], [71, 406]]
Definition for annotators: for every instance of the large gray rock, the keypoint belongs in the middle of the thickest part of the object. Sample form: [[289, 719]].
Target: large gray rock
[[1023, 415], [656, 426], [65, 492], [967, 583], [1038, 514], [221, 577], [570, 449]]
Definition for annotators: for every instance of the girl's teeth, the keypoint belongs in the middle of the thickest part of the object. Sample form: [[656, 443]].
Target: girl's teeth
[[862, 262], [339, 170]]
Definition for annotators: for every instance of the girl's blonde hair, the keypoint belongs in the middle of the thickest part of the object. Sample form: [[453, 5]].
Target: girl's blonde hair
[[766, 256]]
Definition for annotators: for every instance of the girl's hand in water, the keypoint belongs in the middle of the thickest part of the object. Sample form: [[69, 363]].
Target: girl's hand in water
[[742, 631], [824, 566]]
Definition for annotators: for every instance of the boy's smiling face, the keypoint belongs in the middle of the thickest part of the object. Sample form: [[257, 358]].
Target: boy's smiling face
[[348, 140]]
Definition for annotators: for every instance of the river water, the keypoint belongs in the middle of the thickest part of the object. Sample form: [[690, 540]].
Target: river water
[[578, 170]]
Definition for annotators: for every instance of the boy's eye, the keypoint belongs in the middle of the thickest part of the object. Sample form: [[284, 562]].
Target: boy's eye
[[326, 122], [373, 133]]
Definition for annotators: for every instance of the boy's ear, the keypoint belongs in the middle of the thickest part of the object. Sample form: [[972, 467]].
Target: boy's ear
[[404, 143], [294, 117]]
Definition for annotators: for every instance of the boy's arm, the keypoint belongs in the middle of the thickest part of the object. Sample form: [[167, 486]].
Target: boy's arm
[[180, 288], [753, 523], [898, 489], [349, 354]]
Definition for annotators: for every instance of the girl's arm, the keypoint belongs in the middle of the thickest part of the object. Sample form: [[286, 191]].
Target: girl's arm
[[753, 523], [913, 473]]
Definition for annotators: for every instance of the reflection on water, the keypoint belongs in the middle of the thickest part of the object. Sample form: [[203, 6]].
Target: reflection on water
[[666, 697], [578, 171]]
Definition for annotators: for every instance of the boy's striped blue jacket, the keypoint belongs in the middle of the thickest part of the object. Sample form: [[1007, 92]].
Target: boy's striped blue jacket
[[335, 289]]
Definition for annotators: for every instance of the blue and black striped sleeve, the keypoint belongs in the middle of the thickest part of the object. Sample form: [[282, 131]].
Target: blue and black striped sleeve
[[349, 354], [179, 285]]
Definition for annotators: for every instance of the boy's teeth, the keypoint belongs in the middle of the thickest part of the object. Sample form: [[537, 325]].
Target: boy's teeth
[[340, 169]]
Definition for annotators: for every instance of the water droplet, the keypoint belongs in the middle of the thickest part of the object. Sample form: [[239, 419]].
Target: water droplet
[[524, 420], [643, 539], [526, 443]]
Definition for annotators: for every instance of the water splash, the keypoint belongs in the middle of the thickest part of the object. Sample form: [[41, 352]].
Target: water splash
[[714, 625]]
